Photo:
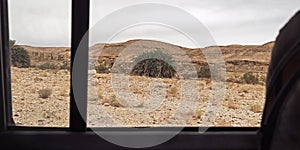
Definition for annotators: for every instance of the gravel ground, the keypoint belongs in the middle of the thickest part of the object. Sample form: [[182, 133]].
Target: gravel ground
[[161, 106]]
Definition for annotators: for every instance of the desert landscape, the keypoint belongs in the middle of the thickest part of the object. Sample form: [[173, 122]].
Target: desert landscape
[[40, 93]]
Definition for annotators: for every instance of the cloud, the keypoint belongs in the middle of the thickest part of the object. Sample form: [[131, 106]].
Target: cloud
[[48, 22], [36, 22]]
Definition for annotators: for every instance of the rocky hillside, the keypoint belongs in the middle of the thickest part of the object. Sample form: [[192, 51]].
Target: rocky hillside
[[238, 58], [42, 55]]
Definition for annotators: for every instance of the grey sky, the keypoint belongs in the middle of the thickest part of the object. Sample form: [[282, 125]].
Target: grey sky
[[47, 22]]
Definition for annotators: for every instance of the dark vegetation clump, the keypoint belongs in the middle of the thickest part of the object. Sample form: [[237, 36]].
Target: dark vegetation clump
[[65, 66], [204, 71], [249, 78], [154, 64], [19, 56], [100, 68], [45, 93], [47, 66]]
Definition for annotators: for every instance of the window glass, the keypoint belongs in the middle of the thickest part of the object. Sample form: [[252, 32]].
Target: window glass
[[133, 80], [40, 61]]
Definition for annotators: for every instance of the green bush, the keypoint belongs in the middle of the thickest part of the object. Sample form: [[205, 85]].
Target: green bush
[[154, 64], [47, 66], [249, 78], [19, 56]]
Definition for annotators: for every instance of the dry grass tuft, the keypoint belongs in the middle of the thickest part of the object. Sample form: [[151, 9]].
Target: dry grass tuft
[[250, 78], [198, 114], [45, 93], [113, 101], [173, 91], [37, 79], [44, 74], [257, 108], [230, 102], [64, 91]]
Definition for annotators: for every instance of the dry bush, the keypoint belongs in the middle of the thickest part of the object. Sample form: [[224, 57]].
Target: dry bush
[[65, 66], [231, 79], [230, 103], [256, 108], [154, 64], [19, 56], [204, 71], [198, 114], [101, 68], [173, 91], [113, 101], [37, 79], [45, 93], [249, 78], [64, 91], [44, 74], [47, 66]]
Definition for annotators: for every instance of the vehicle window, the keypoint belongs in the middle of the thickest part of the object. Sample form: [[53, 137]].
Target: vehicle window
[[164, 63], [40, 61], [140, 63]]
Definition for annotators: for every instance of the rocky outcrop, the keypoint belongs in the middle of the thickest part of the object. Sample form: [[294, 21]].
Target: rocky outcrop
[[42, 55], [239, 58]]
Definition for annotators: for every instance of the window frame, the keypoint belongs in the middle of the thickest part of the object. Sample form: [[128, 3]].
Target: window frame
[[79, 40], [71, 137], [5, 103]]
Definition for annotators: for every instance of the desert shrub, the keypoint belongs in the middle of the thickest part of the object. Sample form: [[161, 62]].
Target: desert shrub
[[173, 90], [113, 101], [44, 93], [198, 114], [154, 64], [100, 69], [19, 56], [204, 71], [249, 78], [230, 102], [64, 91], [12, 43], [65, 66], [47, 66], [257, 108]]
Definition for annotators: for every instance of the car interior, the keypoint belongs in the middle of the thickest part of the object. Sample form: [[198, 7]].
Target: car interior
[[278, 129]]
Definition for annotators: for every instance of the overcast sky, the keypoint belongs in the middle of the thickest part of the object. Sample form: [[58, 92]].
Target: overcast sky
[[48, 22]]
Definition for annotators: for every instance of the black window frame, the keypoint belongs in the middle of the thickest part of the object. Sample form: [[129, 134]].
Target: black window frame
[[72, 137]]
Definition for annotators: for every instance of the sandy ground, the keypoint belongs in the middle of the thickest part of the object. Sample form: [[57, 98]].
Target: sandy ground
[[151, 102]]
